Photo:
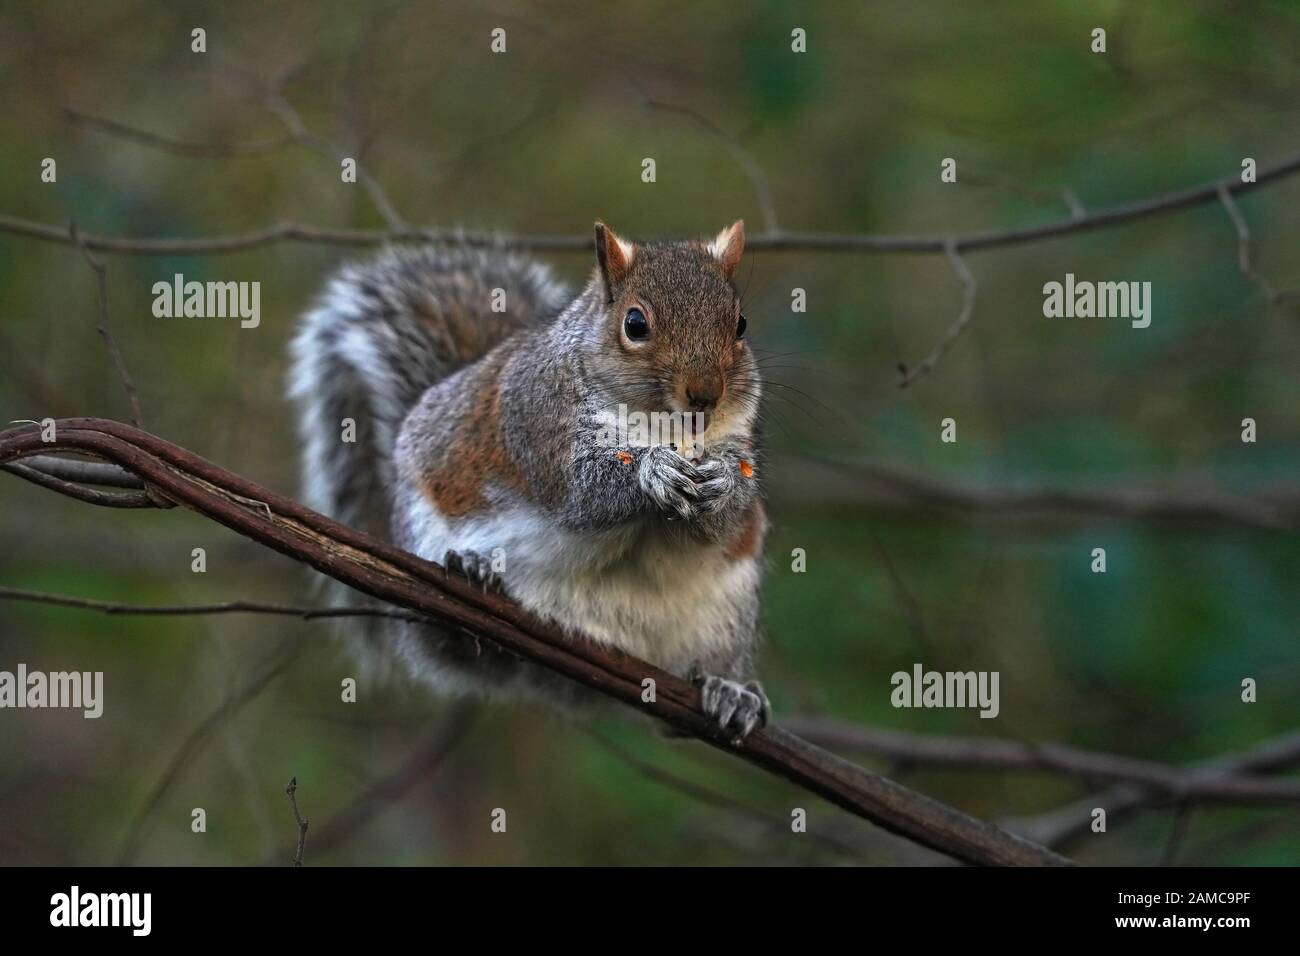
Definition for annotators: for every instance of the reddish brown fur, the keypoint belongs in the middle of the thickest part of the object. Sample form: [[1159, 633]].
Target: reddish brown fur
[[475, 456], [749, 539]]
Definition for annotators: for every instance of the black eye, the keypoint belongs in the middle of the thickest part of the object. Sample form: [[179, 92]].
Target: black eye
[[636, 326], [740, 326]]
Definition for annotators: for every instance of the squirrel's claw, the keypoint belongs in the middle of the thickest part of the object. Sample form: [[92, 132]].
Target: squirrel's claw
[[670, 481], [737, 707], [475, 568]]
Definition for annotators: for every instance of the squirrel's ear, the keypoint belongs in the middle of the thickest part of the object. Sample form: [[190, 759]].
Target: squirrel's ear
[[728, 245], [614, 256]]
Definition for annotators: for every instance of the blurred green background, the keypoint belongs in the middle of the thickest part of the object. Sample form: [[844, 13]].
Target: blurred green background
[[1145, 660]]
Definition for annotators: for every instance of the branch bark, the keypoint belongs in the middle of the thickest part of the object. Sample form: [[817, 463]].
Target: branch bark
[[770, 241], [400, 578]]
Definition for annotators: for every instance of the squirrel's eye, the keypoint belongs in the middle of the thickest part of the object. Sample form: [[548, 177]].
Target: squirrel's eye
[[740, 326], [636, 326]]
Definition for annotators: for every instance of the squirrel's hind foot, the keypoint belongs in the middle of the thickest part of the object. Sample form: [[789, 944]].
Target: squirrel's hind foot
[[737, 707], [475, 568]]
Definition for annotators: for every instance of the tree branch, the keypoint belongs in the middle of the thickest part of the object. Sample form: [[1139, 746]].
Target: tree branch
[[400, 578], [189, 610], [1055, 827], [745, 159], [380, 795], [970, 289], [292, 791], [101, 280], [1178, 783], [888, 488], [106, 499], [885, 487], [276, 663], [771, 241], [223, 150], [1243, 249]]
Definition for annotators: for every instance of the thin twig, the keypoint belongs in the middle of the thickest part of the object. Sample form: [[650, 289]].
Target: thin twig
[[1056, 827], [1243, 249], [292, 122], [101, 278], [178, 147], [188, 610], [275, 664], [969, 290], [746, 160], [381, 795], [889, 488], [981, 753], [292, 791], [1064, 195], [771, 822]]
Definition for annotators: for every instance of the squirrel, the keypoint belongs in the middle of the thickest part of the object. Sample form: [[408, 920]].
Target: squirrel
[[484, 394]]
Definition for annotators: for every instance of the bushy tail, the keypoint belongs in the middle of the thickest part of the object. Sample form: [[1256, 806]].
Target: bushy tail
[[378, 336]]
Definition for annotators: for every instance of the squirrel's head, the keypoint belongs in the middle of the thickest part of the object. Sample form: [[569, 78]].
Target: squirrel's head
[[671, 334]]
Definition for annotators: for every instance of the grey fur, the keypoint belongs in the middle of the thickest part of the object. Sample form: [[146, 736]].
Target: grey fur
[[601, 543]]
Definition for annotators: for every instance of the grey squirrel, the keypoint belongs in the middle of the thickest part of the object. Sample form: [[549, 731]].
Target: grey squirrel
[[483, 444]]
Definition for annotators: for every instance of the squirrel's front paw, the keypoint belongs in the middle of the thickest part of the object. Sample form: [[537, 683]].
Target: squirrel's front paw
[[736, 707], [476, 569], [716, 483], [670, 481]]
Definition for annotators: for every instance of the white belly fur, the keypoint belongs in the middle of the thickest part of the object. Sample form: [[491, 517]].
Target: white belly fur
[[623, 588]]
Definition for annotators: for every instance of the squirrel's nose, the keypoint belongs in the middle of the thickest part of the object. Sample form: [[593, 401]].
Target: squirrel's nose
[[702, 398]]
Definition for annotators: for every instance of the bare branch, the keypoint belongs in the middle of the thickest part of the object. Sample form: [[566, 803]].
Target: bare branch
[[189, 610], [105, 499], [397, 577], [1064, 194], [292, 122], [885, 487], [1243, 249], [981, 753], [383, 793], [1058, 826], [292, 791], [746, 160], [176, 146], [276, 663], [296, 132], [101, 278], [969, 289], [83, 472], [772, 823], [768, 241]]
